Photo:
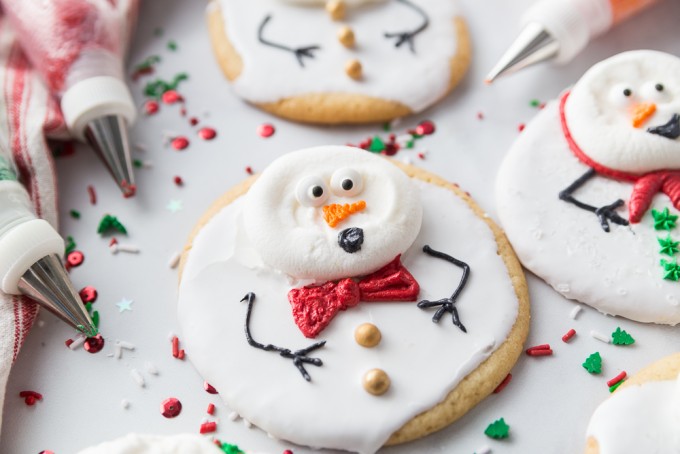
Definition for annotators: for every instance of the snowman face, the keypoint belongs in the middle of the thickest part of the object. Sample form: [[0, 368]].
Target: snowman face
[[332, 212], [612, 108]]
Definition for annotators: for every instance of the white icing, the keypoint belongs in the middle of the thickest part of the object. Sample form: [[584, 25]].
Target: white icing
[[600, 119], [155, 444], [323, 2], [641, 418], [416, 80], [423, 360], [295, 239], [617, 272]]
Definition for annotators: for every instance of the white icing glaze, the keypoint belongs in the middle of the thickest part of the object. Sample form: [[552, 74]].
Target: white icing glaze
[[416, 80], [303, 245], [641, 418], [424, 360], [600, 119], [617, 272], [155, 444]]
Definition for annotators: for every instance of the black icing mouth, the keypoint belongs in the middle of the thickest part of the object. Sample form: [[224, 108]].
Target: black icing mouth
[[670, 130], [351, 239]]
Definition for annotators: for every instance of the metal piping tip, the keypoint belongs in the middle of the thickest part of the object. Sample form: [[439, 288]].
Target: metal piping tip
[[47, 282], [533, 45], [108, 137]]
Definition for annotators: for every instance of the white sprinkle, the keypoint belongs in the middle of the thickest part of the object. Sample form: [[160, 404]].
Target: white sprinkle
[[174, 260], [126, 345], [125, 404], [233, 416], [118, 352], [574, 312], [599, 336], [77, 342], [150, 368], [248, 424], [131, 248], [483, 450], [137, 377], [114, 248]]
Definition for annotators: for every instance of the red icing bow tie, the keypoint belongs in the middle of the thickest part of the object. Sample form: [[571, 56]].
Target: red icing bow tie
[[314, 306]]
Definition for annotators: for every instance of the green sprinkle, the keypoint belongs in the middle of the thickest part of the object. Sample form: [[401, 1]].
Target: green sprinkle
[[109, 222], [498, 429], [621, 337], [70, 245], [534, 103], [172, 45], [377, 145], [95, 319], [593, 364], [230, 449], [138, 163], [613, 387], [157, 87], [75, 214], [148, 63], [88, 307], [410, 143], [672, 270], [668, 246], [664, 220], [387, 126]]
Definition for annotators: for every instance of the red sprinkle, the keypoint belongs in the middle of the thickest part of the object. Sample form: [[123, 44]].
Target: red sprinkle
[[175, 346], [211, 409], [425, 128], [94, 344], [539, 347], [47, 451], [171, 97], [249, 170], [113, 241], [616, 379], [207, 133], [179, 143], [287, 451], [92, 194], [178, 180], [208, 427], [569, 335], [210, 389], [75, 258], [181, 354], [129, 190], [171, 407], [503, 384], [88, 294], [193, 121], [183, 111], [68, 342], [266, 130], [151, 107], [32, 394], [547, 352], [521, 127], [30, 401], [480, 115], [421, 155]]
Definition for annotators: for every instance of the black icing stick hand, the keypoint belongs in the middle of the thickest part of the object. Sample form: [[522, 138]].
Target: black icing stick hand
[[299, 357], [409, 35], [299, 52], [447, 304]]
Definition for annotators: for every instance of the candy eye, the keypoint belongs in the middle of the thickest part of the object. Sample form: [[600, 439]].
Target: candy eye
[[620, 95], [655, 91], [347, 182], [311, 191]]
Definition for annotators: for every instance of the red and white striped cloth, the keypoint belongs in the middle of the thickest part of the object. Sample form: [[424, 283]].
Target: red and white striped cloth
[[28, 115]]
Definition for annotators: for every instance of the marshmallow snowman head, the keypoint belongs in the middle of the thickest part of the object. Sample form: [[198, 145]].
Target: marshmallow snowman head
[[332, 212], [611, 110]]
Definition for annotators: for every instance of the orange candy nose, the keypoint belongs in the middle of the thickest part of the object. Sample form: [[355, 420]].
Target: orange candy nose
[[333, 214], [642, 112]]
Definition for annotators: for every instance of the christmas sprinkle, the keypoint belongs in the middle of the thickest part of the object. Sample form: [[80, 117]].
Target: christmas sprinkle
[[116, 247], [171, 97], [109, 223], [138, 378], [567, 337], [233, 449], [150, 368], [75, 214], [174, 260], [593, 364], [668, 246], [664, 220], [599, 336], [172, 45], [145, 67], [178, 181], [30, 397], [503, 384], [621, 337], [209, 388], [74, 258], [174, 206], [179, 143], [156, 88], [124, 404], [539, 350], [171, 407], [70, 245], [124, 305], [211, 409], [498, 429], [75, 344], [266, 130], [574, 312], [94, 344], [92, 194], [620, 377], [613, 387], [207, 133], [208, 427], [176, 352]]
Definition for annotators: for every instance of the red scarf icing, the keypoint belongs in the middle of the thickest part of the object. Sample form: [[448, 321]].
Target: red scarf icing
[[314, 306], [645, 186]]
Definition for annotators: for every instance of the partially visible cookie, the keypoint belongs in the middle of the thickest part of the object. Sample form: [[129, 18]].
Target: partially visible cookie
[[155, 444], [376, 61], [643, 414]]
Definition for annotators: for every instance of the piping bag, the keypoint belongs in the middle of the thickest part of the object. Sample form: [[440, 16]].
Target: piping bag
[[78, 47]]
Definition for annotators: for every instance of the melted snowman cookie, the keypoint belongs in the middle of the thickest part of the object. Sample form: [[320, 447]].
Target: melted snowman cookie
[[340, 61], [590, 191], [643, 414], [341, 301]]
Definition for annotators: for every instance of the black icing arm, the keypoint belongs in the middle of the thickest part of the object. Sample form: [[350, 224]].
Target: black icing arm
[[605, 213], [299, 52], [447, 304], [409, 35], [299, 357]]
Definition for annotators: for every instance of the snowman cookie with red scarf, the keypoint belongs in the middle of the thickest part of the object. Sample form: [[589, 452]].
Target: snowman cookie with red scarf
[[589, 194], [341, 301], [340, 61]]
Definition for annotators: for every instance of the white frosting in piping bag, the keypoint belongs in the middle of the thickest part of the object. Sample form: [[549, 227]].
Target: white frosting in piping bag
[[415, 79], [423, 360]]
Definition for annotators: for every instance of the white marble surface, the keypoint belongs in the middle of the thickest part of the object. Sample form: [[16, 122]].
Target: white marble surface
[[549, 400]]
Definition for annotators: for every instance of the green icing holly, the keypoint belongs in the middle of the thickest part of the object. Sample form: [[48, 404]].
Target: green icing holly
[[109, 222], [230, 449], [664, 220], [498, 429], [671, 270], [668, 246], [621, 337], [377, 145], [593, 364]]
